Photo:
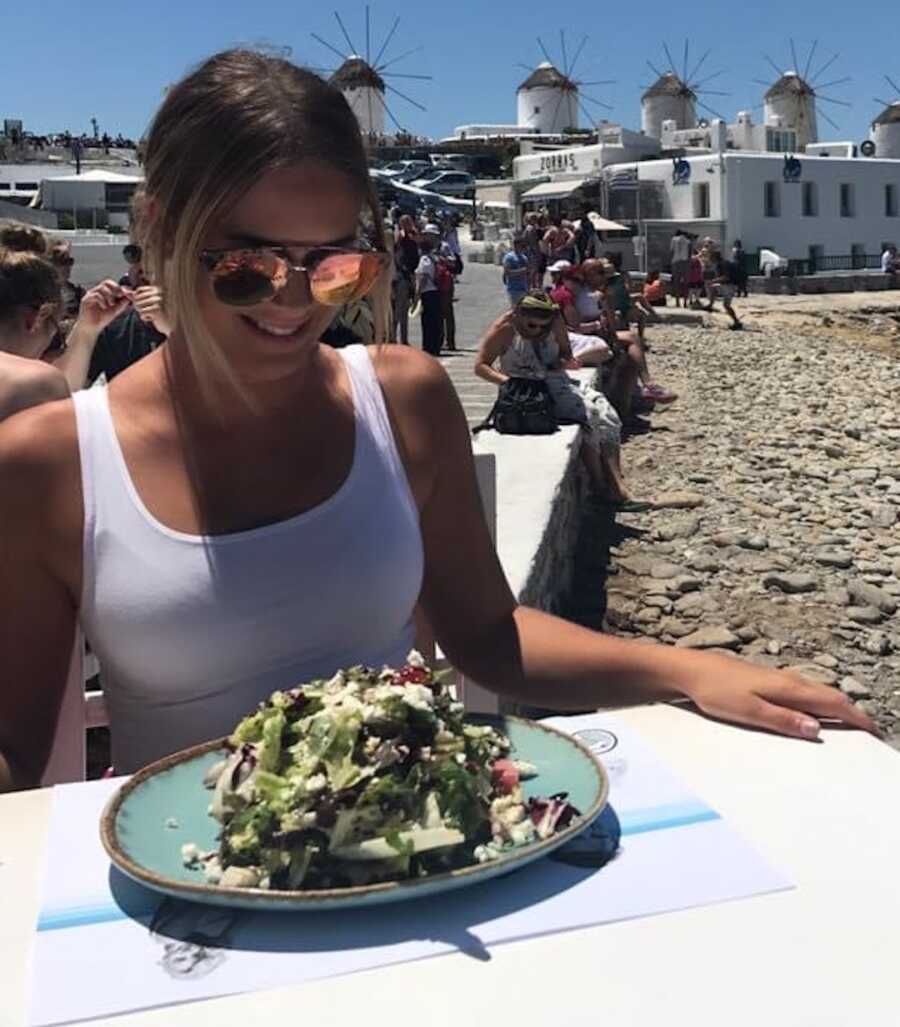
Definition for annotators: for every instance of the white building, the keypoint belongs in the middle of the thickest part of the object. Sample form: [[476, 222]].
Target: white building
[[805, 208], [547, 101], [96, 190], [561, 173], [363, 89]]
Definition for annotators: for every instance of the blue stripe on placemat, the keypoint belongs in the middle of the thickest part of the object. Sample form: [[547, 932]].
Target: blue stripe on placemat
[[638, 821], [660, 818]]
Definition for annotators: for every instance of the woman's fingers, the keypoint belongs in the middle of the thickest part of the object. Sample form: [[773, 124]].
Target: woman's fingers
[[780, 702]]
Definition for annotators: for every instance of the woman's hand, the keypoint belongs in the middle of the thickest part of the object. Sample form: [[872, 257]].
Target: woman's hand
[[734, 690], [102, 304], [572, 364], [148, 302]]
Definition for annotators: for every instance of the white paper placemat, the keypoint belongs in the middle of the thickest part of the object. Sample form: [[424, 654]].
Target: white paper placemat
[[105, 945]]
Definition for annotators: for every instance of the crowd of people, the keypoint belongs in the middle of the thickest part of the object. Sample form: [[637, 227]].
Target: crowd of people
[[245, 509], [589, 314], [701, 272], [427, 260]]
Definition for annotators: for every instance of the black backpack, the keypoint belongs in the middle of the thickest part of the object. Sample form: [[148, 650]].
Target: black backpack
[[523, 407]]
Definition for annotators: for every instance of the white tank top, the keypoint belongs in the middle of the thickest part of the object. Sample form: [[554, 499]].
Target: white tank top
[[192, 632]]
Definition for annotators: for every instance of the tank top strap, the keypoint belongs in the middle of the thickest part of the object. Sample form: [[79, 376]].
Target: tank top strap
[[371, 409]]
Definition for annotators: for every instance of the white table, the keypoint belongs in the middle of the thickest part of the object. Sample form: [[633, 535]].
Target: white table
[[822, 955]]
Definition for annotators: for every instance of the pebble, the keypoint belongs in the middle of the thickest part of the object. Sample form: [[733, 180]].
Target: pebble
[[662, 569], [813, 672], [710, 638], [864, 614], [833, 558], [871, 595], [854, 689], [678, 500], [791, 583]]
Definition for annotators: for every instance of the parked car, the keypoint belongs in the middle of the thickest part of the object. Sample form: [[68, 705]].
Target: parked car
[[448, 183], [400, 168]]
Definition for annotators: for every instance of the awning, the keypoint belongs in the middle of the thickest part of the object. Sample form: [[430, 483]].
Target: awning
[[554, 190], [604, 225]]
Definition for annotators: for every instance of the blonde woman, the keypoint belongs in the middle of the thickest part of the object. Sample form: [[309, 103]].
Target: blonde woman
[[246, 509]]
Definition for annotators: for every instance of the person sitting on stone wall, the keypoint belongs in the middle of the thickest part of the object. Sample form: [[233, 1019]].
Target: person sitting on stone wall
[[531, 341]]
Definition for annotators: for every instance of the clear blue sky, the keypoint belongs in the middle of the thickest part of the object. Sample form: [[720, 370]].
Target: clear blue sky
[[64, 62]]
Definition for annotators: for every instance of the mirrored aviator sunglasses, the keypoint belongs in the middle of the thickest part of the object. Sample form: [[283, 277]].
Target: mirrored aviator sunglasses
[[243, 277]]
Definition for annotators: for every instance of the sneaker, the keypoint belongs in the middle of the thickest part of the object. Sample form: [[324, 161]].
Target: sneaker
[[658, 394], [737, 326]]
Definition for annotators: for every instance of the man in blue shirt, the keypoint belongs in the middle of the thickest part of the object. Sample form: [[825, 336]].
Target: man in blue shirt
[[515, 270]]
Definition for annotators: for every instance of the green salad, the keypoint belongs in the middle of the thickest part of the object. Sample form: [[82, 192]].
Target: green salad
[[369, 776]]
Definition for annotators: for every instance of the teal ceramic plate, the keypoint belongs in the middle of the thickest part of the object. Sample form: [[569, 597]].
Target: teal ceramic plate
[[165, 805]]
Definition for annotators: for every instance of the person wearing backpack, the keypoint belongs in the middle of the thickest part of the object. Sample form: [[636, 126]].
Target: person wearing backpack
[[531, 342]]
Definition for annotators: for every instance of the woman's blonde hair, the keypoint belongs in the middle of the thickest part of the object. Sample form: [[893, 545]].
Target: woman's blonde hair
[[238, 116], [26, 280]]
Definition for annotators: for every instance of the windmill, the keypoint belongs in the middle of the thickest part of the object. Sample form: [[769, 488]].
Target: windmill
[[791, 102], [549, 99], [884, 138], [362, 79], [675, 95]]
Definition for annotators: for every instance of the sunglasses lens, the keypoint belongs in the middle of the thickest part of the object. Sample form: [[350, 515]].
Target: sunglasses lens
[[245, 277], [344, 277]]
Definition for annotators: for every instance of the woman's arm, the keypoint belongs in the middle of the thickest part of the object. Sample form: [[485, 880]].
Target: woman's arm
[[99, 307], [533, 657], [561, 336], [40, 555], [494, 343]]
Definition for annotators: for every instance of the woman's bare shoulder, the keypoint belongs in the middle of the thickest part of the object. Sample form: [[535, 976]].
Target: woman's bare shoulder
[[28, 383], [38, 453], [410, 378]]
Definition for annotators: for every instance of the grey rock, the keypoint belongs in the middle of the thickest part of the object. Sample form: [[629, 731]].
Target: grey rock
[[725, 538], [712, 637], [863, 475], [871, 595], [791, 583], [877, 643], [639, 565], [647, 615], [676, 628], [826, 660], [865, 614], [837, 596], [679, 529], [662, 569], [885, 516], [773, 647], [754, 542], [833, 558], [685, 583], [707, 564], [747, 634], [813, 672], [854, 689], [678, 500]]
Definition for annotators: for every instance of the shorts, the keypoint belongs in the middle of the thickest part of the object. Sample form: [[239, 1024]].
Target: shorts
[[725, 292]]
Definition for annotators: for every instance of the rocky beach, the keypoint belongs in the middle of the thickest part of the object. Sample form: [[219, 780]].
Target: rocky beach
[[777, 482]]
